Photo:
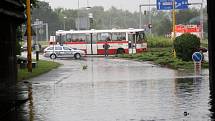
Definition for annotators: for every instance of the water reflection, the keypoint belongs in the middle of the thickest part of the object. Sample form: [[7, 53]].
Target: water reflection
[[118, 90], [192, 95], [212, 102], [31, 105]]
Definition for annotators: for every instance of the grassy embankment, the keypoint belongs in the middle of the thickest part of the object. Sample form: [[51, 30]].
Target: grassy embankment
[[160, 52], [42, 67]]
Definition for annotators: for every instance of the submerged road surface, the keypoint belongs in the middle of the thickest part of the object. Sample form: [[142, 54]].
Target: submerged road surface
[[105, 89]]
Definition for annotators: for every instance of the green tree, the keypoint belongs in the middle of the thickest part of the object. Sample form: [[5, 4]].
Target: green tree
[[183, 16], [185, 45], [47, 15]]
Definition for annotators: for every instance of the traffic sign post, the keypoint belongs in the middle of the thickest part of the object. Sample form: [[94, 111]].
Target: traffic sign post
[[197, 59], [167, 4]]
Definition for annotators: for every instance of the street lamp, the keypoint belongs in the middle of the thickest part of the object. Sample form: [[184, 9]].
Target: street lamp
[[90, 15], [64, 22], [78, 16]]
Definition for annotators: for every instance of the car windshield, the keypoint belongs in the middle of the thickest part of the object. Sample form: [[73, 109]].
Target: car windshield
[[66, 48]]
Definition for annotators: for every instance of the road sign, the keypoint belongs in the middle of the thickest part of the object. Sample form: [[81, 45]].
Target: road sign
[[197, 57], [167, 4]]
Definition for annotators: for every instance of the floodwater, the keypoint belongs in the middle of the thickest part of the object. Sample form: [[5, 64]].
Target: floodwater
[[105, 89]]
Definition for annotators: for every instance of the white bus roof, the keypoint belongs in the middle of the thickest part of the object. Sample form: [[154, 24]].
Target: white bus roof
[[97, 31]]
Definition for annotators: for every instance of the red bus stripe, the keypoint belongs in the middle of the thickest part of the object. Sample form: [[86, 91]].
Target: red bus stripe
[[110, 51], [117, 42], [75, 42]]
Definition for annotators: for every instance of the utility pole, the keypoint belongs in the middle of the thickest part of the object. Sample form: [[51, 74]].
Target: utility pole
[[90, 15], [140, 11], [173, 19], [202, 21], [47, 30], [29, 48], [150, 18], [64, 22], [78, 17], [173, 25]]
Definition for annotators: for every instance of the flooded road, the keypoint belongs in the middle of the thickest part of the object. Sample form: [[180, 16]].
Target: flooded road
[[105, 89]]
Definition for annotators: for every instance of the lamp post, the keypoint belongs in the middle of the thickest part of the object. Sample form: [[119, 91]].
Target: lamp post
[[88, 7], [173, 26], [90, 15], [78, 17], [64, 24], [150, 19]]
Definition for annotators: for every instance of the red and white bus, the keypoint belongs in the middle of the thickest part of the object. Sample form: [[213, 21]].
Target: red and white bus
[[92, 41]]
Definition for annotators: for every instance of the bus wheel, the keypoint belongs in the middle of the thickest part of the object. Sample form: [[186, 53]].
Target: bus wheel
[[53, 56], [120, 51], [77, 56]]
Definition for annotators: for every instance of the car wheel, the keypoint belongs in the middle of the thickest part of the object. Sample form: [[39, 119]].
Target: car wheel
[[77, 56], [53, 56]]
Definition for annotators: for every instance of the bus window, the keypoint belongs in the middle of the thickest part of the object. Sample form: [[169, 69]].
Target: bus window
[[103, 37], [119, 36], [60, 38], [140, 37], [130, 37], [78, 37], [94, 38], [68, 37]]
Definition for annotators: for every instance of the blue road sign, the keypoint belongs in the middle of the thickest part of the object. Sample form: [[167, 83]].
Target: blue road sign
[[167, 4], [197, 57]]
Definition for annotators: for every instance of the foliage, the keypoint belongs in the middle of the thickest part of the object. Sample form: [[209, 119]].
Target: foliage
[[18, 48], [44, 13], [183, 16], [111, 18], [158, 42], [163, 25], [18, 40], [185, 45], [42, 67], [163, 57]]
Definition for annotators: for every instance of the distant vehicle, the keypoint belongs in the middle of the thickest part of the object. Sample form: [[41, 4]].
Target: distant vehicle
[[91, 41], [57, 51]]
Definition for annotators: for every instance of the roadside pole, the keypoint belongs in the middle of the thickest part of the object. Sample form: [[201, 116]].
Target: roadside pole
[[29, 48], [173, 26], [197, 60]]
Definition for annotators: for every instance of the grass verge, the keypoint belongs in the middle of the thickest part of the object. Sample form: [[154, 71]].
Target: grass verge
[[41, 68], [164, 58]]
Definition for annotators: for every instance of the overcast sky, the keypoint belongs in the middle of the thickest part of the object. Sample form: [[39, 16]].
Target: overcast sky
[[131, 5]]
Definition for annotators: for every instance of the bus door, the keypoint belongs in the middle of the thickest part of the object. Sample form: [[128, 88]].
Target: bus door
[[140, 41], [91, 44], [131, 43]]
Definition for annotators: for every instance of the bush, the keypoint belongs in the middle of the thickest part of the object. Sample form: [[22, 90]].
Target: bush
[[158, 42], [18, 48], [185, 45]]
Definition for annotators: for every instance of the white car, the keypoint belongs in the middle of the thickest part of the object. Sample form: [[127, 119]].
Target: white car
[[56, 51]]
